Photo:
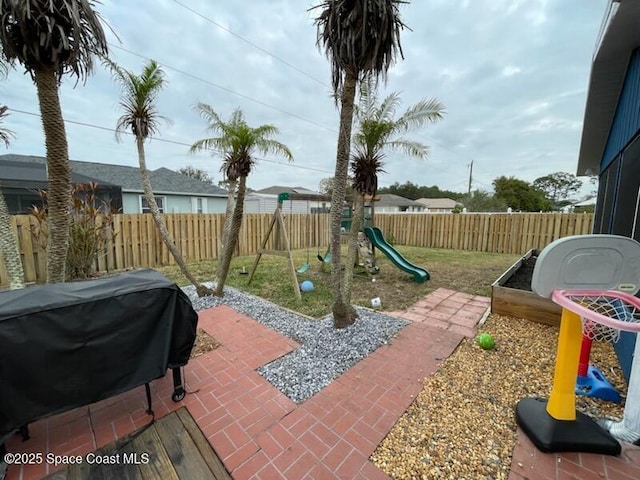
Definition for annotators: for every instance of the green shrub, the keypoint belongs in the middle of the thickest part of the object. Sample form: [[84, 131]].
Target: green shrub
[[90, 229]]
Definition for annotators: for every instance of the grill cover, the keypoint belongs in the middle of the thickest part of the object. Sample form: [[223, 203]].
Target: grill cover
[[70, 344]]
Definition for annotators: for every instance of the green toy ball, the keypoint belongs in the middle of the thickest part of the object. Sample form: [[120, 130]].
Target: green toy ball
[[486, 341]]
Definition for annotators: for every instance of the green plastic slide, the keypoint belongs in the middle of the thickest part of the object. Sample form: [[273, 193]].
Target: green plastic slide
[[377, 240]]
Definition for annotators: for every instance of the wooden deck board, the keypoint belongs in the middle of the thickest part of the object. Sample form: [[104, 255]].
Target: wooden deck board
[[208, 454], [176, 449], [182, 451]]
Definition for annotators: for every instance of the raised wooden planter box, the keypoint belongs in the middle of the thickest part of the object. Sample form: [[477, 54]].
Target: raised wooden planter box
[[513, 302]]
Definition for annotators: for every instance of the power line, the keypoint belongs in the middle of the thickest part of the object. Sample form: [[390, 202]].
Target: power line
[[174, 142], [228, 90], [249, 42]]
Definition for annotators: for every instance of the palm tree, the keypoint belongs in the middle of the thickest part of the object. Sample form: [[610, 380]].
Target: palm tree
[[361, 40], [140, 116], [379, 131], [238, 143], [8, 242], [51, 39]]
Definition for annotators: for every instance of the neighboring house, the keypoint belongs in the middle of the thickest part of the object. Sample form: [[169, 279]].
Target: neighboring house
[[174, 192], [389, 203], [610, 146], [584, 206], [303, 201], [439, 205], [21, 183]]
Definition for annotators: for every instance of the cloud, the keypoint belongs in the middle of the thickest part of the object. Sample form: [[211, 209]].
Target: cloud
[[512, 75]]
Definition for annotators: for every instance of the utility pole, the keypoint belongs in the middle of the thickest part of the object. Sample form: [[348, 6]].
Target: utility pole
[[470, 178]]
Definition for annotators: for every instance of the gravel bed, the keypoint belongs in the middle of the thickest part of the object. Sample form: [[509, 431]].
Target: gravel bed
[[325, 353], [462, 424]]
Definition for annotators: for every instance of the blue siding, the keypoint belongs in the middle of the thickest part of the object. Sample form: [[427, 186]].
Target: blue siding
[[625, 126], [626, 121]]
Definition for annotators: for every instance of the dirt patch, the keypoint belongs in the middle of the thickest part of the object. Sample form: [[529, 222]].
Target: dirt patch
[[521, 279], [204, 344]]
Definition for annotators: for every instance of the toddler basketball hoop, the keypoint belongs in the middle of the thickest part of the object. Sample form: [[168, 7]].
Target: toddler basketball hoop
[[593, 278]]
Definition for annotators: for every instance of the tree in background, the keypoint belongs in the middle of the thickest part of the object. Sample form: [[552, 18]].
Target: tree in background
[[238, 143], [50, 39], [378, 131], [361, 40], [8, 241], [521, 195], [558, 187], [141, 118], [483, 201], [196, 173], [325, 186], [413, 191]]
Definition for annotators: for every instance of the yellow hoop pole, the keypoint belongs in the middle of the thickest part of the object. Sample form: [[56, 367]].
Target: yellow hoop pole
[[562, 401]]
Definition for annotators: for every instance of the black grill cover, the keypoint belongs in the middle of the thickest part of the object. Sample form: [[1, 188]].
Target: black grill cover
[[67, 345]]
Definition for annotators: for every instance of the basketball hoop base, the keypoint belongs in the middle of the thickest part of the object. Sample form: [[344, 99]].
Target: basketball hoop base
[[550, 435], [595, 385]]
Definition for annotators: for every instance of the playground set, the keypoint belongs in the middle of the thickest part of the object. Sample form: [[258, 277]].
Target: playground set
[[594, 279], [368, 241]]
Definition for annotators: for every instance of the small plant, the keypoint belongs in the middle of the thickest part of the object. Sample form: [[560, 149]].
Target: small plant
[[391, 239], [90, 229]]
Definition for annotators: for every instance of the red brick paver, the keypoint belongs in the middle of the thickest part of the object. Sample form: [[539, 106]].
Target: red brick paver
[[261, 434], [530, 463]]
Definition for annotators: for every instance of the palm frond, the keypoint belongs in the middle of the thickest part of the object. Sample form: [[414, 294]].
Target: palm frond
[[418, 115], [237, 141], [409, 147], [138, 98], [63, 35], [361, 38], [5, 134], [387, 110], [366, 166]]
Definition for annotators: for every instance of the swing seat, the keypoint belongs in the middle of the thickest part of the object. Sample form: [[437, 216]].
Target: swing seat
[[303, 268]]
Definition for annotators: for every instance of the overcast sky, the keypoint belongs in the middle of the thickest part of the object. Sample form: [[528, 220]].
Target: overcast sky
[[513, 76]]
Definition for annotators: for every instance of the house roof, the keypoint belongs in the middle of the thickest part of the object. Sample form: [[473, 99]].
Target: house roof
[[438, 203], [15, 172], [391, 200], [619, 36], [586, 203], [163, 180], [277, 189]]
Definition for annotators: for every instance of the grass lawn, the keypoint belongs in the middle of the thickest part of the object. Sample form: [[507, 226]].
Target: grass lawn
[[470, 272]]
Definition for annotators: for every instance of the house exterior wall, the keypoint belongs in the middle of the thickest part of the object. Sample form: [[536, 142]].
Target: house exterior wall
[[396, 209], [626, 121], [267, 204], [619, 183], [175, 203]]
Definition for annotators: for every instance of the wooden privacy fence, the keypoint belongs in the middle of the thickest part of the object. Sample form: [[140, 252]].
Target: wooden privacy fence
[[137, 242], [498, 233]]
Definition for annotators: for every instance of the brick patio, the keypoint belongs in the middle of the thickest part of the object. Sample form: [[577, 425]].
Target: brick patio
[[259, 433]]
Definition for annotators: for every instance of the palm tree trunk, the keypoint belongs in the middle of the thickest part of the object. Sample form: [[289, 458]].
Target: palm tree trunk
[[9, 248], [357, 224], [159, 221], [58, 174], [231, 202], [231, 240], [343, 313]]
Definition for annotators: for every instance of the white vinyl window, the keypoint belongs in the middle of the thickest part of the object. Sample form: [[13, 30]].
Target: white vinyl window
[[144, 206], [198, 205]]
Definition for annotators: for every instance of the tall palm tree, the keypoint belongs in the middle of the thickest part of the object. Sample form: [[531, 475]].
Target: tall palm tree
[[238, 143], [141, 118], [51, 39], [361, 40], [379, 131], [8, 241]]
